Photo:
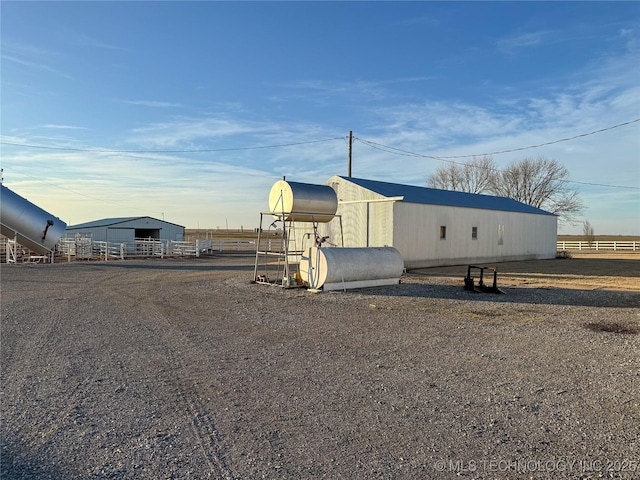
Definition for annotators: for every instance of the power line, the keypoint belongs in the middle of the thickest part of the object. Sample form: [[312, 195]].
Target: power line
[[84, 195], [375, 145], [398, 151], [444, 158], [197, 150]]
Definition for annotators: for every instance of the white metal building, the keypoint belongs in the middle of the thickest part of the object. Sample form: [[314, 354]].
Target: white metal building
[[127, 229], [433, 227]]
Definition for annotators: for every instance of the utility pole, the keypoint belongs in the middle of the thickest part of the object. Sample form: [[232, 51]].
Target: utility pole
[[350, 149]]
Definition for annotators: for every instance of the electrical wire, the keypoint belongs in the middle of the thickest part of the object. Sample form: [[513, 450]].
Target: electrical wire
[[448, 159], [40, 179], [197, 150], [391, 149], [372, 144]]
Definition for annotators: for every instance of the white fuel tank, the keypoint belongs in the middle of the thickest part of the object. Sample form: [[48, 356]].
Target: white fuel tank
[[303, 202], [342, 268], [33, 227]]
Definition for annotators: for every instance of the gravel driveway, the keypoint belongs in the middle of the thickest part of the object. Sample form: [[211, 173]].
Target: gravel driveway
[[183, 369]]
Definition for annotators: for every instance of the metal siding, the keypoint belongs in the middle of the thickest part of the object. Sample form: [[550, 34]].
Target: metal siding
[[417, 230], [124, 230], [414, 229], [119, 235], [381, 224], [354, 215]]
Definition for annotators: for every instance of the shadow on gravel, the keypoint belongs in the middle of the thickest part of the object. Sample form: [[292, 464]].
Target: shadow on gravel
[[19, 467], [613, 267], [613, 327], [545, 296], [181, 267]]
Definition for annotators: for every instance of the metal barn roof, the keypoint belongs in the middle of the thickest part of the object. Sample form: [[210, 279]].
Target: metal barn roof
[[108, 222], [433, 196]]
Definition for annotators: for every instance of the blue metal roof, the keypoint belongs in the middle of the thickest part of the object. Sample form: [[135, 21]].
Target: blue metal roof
[[105, 222], [434, 196], [108, 222]]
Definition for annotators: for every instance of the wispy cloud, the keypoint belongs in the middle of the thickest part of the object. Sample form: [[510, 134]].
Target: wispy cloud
[[152, 103], [35, 65], [322, 91], [522, 40], [62, 127], [631, 38], [87, 41], [183, 132], [422, 20]]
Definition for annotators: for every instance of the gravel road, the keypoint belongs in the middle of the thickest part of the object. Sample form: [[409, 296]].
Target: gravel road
[[183, 369]]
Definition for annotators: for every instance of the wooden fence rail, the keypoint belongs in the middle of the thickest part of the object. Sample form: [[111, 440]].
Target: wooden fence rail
[[609, 245]]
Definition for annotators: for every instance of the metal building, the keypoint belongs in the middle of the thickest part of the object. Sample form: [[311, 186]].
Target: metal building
[[127, 229], [431, 227]]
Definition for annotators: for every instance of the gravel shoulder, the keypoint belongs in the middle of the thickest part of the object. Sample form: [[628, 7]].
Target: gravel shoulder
[[172, 369]]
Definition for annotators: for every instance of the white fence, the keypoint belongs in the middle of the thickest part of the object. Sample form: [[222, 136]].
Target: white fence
[[86, 248], [615, 246]]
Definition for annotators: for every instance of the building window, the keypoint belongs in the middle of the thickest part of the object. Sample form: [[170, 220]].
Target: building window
[[443, 233], [474, 233], [500, 234]]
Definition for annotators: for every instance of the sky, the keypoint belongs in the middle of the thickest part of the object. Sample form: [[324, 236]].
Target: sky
[[191, 111]]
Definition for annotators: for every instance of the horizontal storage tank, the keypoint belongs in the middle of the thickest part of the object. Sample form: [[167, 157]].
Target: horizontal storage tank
[[33, 227], [341, 268], [303, 202]]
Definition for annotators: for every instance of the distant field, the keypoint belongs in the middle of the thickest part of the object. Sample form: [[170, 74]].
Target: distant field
[[192, 234], [599, 238]]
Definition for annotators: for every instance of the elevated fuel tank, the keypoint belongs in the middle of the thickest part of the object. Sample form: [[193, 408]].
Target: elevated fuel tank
[[303, 202], [342, 268], [32, 226]]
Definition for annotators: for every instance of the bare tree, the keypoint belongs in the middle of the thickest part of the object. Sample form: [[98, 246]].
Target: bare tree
[[541, 183], [474, 176], [588, 232]]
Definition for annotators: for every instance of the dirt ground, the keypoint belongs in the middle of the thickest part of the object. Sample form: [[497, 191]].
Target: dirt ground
[[184, 369], [587, 271]]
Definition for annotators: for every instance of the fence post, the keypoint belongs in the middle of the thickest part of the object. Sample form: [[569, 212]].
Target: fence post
[[220, 245]]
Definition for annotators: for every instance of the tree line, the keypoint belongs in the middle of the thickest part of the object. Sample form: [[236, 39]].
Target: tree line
[[540, 182]]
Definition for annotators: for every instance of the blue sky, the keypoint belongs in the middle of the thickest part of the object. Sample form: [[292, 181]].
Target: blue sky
[[155, 108]]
